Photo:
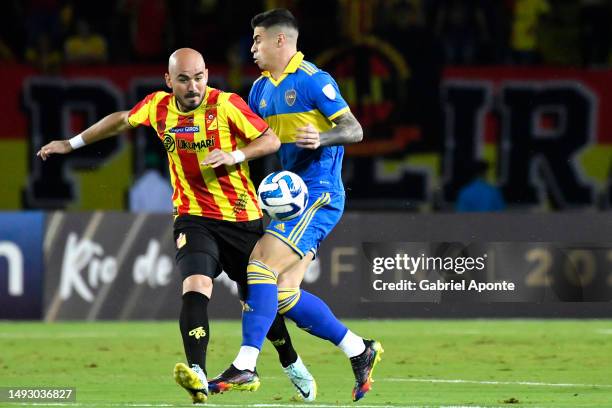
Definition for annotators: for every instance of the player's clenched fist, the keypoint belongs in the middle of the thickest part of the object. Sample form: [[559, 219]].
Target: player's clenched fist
[[55, 147], [308, 137], [218, 157]]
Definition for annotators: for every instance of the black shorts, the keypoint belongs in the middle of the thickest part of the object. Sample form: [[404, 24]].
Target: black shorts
[[207, 247]]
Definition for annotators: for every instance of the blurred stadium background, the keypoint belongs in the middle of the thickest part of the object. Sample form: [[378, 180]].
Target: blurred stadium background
[[516, 91]]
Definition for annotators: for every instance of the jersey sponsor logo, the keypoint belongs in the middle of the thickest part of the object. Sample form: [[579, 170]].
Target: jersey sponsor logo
[[329, 91], [262, 104], [198, 332], [290, 97], [195, 146], [169, 144], [181, 241], [185, 129]]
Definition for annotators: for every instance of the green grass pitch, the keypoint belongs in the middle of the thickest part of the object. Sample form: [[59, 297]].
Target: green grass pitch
[[427, 363]]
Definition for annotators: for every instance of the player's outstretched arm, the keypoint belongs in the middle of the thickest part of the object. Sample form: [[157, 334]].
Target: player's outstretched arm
[[347, 130], [265, 144], [110, 125]]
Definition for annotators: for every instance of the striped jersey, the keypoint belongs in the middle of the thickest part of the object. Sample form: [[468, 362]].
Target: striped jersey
[[222, 121], [303, 94]]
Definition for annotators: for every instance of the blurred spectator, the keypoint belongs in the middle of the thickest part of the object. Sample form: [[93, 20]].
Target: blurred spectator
[[85, 46], [559, 35], [478, 194], [152, 191], [595, 32], [42, 19], [148, 25], [235, 70], [497, 18], [526, 20], [461, 26], [6, 54], [44, 55], [12, 31], [119, 34], [206, 30]]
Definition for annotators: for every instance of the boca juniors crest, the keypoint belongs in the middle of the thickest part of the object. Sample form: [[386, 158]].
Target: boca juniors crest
[[290, 97]]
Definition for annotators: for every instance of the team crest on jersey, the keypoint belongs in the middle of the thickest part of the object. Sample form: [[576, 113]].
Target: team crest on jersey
[[169, 144], [290, 97], [262, 104], [211, 122]]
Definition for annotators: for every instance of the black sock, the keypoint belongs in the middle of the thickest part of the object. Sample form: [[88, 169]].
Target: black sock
[[279, 337], [194, 328]]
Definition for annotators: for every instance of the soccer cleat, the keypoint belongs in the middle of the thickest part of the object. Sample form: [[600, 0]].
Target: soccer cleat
[[302, 380], [234, 379], [363, 366], [193, 380]]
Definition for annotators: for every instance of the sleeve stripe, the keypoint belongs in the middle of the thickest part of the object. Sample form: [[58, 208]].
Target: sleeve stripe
[[340, 112]]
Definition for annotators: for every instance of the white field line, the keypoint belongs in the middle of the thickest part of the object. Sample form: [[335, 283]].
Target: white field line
[[75, 335], [528, 383], [127, 404]]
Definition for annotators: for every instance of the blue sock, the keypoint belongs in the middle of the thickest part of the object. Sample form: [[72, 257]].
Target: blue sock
[[313, 315], [261, 304]]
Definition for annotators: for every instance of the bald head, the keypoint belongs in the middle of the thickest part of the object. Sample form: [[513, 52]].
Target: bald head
[[187, 76], [185, 59]]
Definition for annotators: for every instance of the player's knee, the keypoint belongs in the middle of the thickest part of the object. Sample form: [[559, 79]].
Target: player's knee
[[292, 276], [289, 279], [198, 283]]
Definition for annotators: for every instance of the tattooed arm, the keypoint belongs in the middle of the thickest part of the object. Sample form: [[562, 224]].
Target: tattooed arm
[[347, 130]]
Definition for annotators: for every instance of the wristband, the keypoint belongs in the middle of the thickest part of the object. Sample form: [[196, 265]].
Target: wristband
[[77, 142], [238, 156]]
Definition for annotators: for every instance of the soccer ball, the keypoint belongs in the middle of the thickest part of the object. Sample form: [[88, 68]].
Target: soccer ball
[[282, 195]]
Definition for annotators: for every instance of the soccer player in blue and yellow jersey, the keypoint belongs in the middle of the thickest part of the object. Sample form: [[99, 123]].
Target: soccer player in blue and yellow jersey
[[208, 135], [303, 105]]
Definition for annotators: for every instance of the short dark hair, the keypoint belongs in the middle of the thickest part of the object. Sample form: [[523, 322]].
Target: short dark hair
[[274, 17]]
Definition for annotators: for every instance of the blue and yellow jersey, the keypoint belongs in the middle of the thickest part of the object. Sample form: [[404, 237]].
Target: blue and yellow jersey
[[303, 94]]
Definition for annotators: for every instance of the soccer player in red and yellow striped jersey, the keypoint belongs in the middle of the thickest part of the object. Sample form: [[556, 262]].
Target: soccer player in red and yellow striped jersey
[[222, 122], [209, 135]]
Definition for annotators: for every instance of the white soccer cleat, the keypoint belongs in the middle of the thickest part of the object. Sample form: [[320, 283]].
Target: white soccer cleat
[[302, 380]]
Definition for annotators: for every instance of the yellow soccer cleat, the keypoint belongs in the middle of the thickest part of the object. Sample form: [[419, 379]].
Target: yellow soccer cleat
[[193, 380]]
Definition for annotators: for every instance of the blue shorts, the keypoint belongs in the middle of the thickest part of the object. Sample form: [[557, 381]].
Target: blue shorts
[[305, 233]]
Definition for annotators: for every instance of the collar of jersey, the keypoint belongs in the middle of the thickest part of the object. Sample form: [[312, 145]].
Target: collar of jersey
[[180, 112], [291, 67]]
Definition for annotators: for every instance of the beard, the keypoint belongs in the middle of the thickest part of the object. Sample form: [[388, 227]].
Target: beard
[[190, 101]]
